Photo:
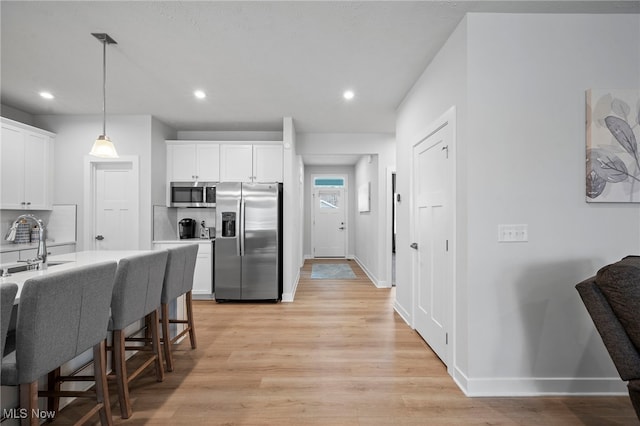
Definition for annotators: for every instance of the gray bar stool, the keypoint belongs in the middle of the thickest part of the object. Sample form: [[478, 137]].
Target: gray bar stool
[[136, 296], [60, 316], [178, 280], [8, 293]]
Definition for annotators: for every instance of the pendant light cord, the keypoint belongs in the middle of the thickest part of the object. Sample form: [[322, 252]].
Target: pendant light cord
[[104, 87]]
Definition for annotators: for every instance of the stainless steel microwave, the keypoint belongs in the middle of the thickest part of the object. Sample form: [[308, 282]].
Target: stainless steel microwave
[[192, 194]]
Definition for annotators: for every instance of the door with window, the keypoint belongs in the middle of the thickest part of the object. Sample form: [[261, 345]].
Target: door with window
[[329, 219]]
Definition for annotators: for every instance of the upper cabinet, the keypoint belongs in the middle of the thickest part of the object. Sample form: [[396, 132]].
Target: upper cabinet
[[193, 161], [236, 163], [26, 160], [205, 161], [251, 163]]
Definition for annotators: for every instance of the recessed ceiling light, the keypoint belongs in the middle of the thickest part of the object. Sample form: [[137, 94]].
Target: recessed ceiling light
[[348, 94], [199, 94], [46, 95]]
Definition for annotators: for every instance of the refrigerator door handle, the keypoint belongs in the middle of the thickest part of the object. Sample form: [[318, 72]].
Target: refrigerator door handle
[[241, 236]]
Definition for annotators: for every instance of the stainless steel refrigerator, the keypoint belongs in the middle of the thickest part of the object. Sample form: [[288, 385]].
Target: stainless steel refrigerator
[[248, 249]]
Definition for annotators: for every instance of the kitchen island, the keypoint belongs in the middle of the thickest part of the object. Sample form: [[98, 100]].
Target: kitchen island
[[64, 262]]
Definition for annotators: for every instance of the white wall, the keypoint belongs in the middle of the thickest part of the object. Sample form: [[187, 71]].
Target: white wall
[[232, 135], [367, 243], [521, 159], [132, 135], [17, 115], [441, 86], [292, 218], [160, 132]]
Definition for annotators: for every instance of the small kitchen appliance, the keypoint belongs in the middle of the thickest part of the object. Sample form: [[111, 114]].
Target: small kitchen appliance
[[187, 228], [192, 194], [207, 232]]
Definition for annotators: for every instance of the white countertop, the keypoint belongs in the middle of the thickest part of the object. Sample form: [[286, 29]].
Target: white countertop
[[185, 241], [74, 260]]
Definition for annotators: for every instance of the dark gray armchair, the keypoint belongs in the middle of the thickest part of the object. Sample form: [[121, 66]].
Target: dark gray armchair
[[612, 298]]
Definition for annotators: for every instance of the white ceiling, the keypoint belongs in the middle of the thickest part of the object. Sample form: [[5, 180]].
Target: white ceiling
[[257, 61]]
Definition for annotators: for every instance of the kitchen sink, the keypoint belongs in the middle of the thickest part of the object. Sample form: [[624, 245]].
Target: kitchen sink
[[33, 266]]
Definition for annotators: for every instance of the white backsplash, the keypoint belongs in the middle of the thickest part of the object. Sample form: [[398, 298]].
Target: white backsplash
[[62, 224], [61, 221], [206, 214], [165, 220]]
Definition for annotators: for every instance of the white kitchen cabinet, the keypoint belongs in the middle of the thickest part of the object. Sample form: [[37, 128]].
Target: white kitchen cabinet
[[193, 161], [251, 163], [236, 163], [203, 274], [267, 163], [26, 163]]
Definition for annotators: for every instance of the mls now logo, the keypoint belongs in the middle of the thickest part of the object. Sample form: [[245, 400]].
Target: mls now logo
[[23, 413]]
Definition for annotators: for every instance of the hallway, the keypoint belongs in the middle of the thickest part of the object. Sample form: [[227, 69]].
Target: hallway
[[338, 355]]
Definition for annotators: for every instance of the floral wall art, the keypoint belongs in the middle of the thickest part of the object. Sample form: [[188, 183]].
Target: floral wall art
[[613, 154]]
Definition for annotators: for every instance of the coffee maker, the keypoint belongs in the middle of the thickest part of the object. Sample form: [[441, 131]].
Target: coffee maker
[[187, 228]]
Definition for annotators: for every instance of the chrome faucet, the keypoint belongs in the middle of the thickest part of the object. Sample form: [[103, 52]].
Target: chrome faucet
[[42, 246]]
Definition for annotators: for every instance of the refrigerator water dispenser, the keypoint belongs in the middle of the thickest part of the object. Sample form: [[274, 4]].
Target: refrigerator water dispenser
[[228, 224]]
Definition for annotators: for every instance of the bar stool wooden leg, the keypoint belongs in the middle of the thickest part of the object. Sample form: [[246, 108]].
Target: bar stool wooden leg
[[53, 385], [120, 370], [192, 330], [166, 337], [29, 402], [102, 388], [155, 341]]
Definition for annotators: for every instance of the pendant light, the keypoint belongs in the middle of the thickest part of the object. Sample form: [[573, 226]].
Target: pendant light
[[103, 147]]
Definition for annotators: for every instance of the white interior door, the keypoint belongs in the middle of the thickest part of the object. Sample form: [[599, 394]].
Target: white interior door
[[329, 223], [433, 275], [116, 219]]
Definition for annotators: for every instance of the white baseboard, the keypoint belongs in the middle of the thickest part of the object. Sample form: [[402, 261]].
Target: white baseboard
[[366, 271], [403, 313], [539, 386], [288, 297]]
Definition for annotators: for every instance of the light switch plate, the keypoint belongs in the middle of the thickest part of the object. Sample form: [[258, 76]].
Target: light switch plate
[[513, 233]]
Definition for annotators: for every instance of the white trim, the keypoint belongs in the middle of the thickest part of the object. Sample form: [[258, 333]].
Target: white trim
[[540, 386], [370, 275], [90, 167], [388, 234], [447, 118], [403, 313], [289, 297]]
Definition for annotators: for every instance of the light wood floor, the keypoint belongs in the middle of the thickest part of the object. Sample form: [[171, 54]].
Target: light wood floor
[[338, 355]]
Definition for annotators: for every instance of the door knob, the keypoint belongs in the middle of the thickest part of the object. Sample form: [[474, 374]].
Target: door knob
[[414, 246], [99, 237], [342, 227]]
